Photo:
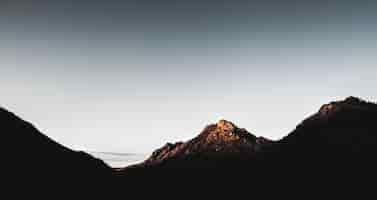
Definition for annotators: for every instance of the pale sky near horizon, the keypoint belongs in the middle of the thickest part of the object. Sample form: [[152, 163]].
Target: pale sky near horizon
[[129, 76]]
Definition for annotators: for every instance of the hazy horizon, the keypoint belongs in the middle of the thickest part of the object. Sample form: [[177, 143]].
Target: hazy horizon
[[129, 76]]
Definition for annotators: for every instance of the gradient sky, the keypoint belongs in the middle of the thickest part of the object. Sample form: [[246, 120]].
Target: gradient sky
[[129, 76]]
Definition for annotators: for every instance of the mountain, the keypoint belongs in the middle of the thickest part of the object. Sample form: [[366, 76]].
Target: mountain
[[33, 161], [217, 142], [345, 128], [336, 145], [333, 149]]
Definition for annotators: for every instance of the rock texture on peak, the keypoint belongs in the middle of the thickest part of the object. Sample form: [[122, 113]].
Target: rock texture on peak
[[225, 125]]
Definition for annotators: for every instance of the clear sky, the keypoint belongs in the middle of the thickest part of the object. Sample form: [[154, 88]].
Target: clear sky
[[129, 76]]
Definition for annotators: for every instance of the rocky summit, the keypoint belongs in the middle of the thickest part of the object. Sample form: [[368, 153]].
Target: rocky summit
[[219, 140]]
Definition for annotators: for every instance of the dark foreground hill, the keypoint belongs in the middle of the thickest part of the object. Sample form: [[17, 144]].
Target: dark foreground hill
[[335, 148], [32, 163]]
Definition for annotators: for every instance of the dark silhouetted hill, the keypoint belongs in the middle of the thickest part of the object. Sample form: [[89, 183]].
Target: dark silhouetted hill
[[36, 164]]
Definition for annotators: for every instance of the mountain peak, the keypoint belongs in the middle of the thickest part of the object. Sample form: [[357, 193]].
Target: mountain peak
[[217, 140], [346, 110], [350, 103], [353, 100], [223, 131], [225, 125]]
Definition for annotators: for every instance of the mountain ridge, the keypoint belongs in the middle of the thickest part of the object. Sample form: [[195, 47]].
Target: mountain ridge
[[225, 139], [335, 146]]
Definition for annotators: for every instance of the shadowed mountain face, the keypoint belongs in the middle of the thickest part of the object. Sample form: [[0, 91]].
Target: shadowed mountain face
[[342, 130], [38, 164]]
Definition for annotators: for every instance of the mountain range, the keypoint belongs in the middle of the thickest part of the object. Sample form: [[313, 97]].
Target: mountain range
[[336, 146]]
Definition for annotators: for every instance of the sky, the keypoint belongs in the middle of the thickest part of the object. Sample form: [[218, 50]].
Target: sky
[[129, 76]]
